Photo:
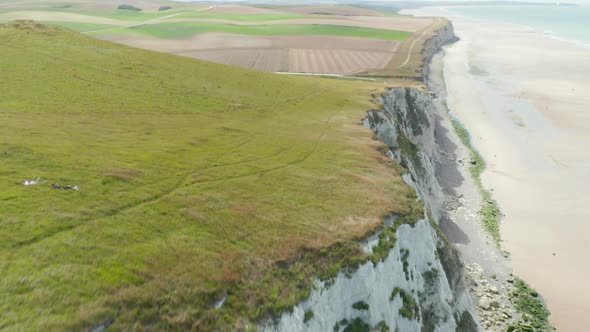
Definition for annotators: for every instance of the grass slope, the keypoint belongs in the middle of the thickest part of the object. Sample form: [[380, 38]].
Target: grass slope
[[197, 181], [184, 29]]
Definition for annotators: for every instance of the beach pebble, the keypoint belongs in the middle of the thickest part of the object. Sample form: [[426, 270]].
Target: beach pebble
[[493, 289], [484, 303]]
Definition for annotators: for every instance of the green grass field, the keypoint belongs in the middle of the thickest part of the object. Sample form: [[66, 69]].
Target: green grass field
[[184, 29], [243, 17], [130, 15], [120, 14], [197, 181], [81, 27]]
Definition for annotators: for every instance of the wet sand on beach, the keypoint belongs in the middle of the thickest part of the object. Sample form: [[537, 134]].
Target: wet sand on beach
[[525, 99]]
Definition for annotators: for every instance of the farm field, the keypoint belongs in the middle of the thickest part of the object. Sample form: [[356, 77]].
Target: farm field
[[242, 17], [343, 40], [272, 60], [226, 41], [197, 182], [335, 61], [185, 29]]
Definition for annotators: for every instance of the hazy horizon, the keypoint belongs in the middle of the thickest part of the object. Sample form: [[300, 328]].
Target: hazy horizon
[[579, 2]]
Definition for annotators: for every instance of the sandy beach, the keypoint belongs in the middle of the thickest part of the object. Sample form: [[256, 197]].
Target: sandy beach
[[524, 98]]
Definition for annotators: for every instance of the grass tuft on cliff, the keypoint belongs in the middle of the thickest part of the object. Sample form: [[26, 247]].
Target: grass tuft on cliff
[[199, 184], [489, 211]]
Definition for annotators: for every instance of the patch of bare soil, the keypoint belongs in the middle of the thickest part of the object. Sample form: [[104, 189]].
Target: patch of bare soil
[[206, 41], [334, 42], [222, 41], [333, 61], [259, 59], [309, 54]]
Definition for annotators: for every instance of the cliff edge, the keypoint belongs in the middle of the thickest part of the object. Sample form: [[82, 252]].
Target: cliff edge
[[419, 285]]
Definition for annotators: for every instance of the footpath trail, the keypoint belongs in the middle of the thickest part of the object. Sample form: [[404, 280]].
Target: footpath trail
[[433, 26], [150, 21]]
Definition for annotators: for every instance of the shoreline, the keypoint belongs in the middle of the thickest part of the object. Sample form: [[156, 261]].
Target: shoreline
[[447, 12], [527, 114], [488, 274]]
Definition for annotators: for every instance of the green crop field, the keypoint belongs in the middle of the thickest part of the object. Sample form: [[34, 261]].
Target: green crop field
[[119, 14], [196, 182], [243, 17], [130, 15], [183, 29]]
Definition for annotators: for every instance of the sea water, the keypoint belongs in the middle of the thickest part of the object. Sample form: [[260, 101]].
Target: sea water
[[567, 22]]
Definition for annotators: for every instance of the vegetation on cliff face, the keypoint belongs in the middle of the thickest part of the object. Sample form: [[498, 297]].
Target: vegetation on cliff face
[[208, 195], [410, 308], [489, 211]]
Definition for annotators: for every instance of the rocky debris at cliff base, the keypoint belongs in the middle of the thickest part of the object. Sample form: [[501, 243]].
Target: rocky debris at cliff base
[[494, 308], [484, 303]]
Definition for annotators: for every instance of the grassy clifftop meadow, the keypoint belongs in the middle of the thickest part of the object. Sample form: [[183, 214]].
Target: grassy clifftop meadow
[[197, 182]]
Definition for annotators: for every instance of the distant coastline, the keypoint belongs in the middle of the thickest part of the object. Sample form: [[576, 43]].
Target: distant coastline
[[560, 22], [520, 90]]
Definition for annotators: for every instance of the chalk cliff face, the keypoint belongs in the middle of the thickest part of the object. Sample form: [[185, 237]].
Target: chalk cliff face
[[413, 289], [444, 35], [406, 125], [419, 286]]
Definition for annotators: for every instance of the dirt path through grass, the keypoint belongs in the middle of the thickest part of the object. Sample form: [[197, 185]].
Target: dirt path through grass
[[433, 26]]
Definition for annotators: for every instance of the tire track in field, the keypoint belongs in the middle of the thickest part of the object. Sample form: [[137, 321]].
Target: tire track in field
[[294, 162], [181, 183]]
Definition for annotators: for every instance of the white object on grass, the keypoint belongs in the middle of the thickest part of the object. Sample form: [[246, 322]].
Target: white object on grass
[[31, 182]]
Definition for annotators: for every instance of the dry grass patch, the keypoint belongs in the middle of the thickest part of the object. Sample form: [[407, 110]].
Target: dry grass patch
[[335, 61], [124, 174]]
